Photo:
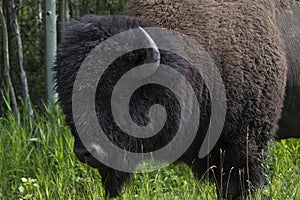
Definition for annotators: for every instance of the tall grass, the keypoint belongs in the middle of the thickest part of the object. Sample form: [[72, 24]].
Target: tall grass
[[39, 163]]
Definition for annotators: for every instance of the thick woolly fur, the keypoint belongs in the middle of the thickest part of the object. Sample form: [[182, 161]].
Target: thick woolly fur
[[80, 37], [243, 39], [288, 21]]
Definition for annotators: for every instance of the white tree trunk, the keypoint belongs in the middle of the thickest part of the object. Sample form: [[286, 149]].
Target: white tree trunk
[[21, 60], [51, 38], [9, 84]]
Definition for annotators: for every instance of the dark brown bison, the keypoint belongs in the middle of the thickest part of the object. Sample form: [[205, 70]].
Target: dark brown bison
[[243, 39]]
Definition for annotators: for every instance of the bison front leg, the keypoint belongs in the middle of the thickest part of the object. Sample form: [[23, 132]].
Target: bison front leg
[[239, 165], [113, 180]]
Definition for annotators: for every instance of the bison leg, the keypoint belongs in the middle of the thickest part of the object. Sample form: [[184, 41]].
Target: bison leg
[[113, 180], [239, 168]]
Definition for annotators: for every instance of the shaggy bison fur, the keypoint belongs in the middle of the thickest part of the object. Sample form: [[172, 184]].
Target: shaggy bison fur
[[80, 37], [242, 38], [199, 18], [253, 44], [288, 22]]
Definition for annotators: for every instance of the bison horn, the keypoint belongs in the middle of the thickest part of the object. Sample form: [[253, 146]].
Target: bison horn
[[152, 60]]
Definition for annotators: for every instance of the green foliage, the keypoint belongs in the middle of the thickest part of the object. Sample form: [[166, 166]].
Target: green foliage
[[116, 6], [43, 157], [100, 7], [31, 17], [39, 163], [173, 182], [283, 165]]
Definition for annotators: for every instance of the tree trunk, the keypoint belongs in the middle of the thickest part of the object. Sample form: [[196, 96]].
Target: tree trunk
[[39, 13], [64, 14], [6, 64], [21, 60], [51, 37], [62, 11], [77, 12], [67, 10]]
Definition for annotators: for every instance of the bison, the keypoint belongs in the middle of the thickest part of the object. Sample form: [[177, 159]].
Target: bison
[[243, 39]]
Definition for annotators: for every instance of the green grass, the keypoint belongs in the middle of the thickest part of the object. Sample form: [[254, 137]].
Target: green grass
[[40, 164]]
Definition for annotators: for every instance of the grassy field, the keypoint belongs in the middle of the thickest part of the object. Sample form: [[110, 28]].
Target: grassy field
[[39, 164]]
